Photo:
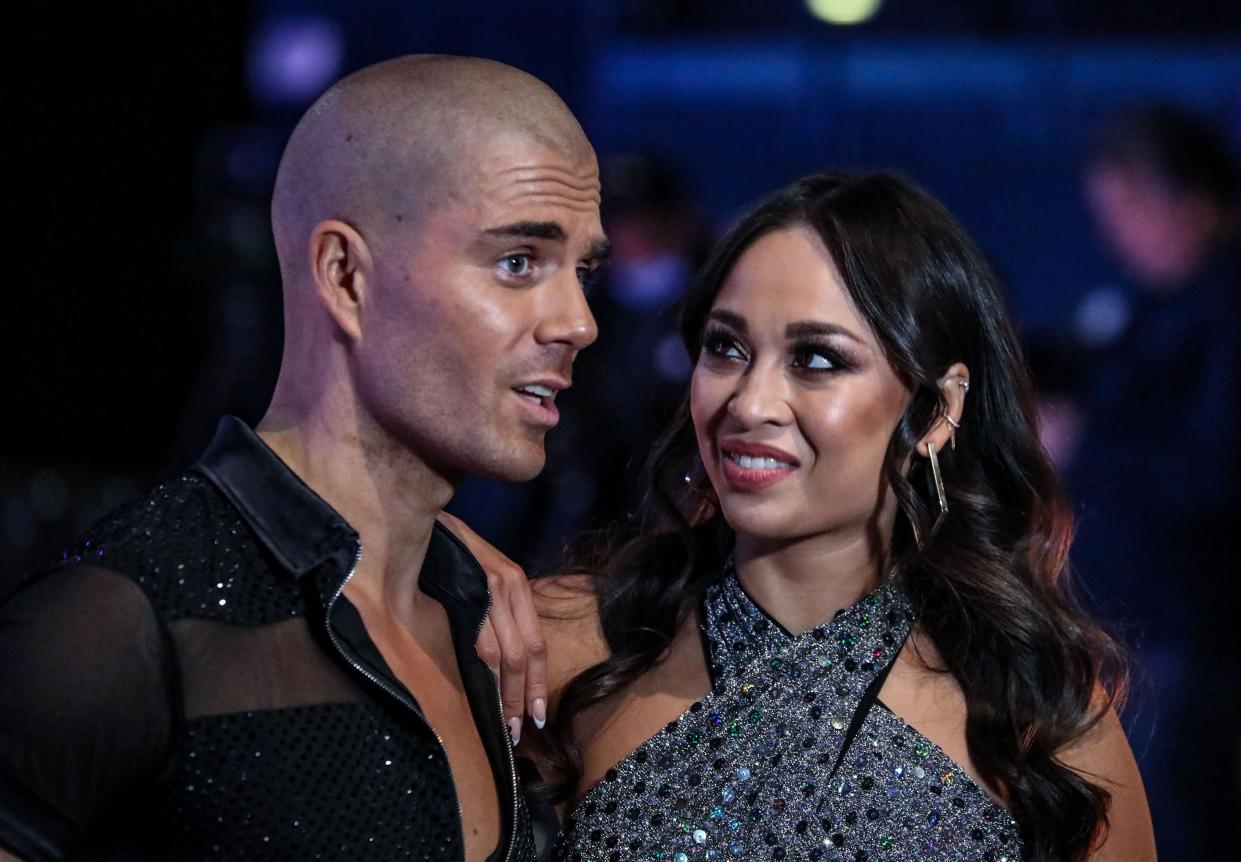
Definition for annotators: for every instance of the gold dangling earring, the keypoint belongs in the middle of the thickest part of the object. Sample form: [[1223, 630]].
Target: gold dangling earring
[[953, 427], [939, 489]]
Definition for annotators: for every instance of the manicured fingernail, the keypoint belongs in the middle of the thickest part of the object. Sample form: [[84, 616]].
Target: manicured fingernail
[[538, 710], [514, 729]]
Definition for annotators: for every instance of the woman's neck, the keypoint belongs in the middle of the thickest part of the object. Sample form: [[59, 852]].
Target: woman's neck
[[802, 584]]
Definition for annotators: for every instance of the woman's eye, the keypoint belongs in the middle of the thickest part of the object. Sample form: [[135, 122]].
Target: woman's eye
[[723, 347], [816, 362], [815, 359], [516, 265]]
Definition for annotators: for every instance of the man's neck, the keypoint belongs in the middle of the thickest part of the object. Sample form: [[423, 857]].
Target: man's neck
[[388, 494]]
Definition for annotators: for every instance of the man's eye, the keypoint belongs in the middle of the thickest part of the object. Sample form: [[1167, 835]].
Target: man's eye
[[588, 278], [516, 265]]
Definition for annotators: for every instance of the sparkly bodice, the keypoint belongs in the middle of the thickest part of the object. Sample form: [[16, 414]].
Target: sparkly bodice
[[791, 756]]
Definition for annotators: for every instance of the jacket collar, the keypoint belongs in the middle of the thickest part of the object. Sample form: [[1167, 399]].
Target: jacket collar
[[302, 531], [293, 522]]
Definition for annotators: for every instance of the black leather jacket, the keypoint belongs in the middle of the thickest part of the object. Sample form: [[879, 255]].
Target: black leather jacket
[[192, 684]]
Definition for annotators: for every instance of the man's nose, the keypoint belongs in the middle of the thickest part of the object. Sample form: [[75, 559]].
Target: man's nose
[[566, 318]]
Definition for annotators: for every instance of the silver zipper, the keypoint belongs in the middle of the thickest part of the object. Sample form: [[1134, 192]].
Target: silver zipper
[[508, 749], [401, 698]]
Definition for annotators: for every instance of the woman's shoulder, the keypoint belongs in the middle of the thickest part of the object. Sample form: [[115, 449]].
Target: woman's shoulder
[[567, 603], [929, 699], [568, 609], [570, 592], [1103, 757]]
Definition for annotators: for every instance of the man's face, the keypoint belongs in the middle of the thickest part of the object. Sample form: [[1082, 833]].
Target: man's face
[[477, 310]]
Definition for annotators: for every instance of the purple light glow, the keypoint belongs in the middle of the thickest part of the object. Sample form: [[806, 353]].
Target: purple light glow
[[294, 59]]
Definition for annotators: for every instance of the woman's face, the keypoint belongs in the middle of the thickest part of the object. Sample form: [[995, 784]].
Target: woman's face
[[792, 398]]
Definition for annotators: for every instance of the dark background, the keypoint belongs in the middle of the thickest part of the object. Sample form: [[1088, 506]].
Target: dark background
[[142, 141], [142, 296]]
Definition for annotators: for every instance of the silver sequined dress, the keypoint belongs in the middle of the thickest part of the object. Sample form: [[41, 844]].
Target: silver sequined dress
[[791, 757]]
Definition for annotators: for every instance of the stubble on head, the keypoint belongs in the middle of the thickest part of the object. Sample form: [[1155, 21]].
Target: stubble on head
[[391, 143], [388, 151]]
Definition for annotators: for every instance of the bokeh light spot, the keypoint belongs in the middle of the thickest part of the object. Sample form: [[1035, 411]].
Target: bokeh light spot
[[844, 11]]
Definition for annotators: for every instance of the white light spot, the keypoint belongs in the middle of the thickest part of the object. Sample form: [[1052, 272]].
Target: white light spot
[[843, 11]]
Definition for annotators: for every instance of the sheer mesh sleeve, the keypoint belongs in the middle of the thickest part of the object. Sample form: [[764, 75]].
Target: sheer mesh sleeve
[[88, 704]]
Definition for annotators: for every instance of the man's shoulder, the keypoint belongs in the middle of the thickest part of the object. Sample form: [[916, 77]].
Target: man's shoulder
[[189, 549]]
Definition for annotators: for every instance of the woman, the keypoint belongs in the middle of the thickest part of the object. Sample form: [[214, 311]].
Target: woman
[[844, 633]]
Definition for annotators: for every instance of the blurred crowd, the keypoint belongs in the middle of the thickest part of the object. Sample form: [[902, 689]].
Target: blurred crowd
[[1142, 413]]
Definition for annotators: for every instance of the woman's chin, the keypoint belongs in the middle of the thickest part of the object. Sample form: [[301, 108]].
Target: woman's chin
[[762, 521]]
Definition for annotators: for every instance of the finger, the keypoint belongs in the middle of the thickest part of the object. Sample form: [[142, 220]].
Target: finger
[[528, 624], [512, 666], [488, 647]]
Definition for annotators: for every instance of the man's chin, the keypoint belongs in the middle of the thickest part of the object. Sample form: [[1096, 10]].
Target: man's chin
[[520, 466]]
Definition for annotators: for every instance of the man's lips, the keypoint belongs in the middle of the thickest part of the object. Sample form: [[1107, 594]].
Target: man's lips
[[540, 397]]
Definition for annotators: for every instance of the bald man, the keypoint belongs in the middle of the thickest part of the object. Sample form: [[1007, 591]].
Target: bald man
[[274, 656]]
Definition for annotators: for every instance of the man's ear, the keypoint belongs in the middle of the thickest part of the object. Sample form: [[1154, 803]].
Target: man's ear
[[954, 386], [340, 263]]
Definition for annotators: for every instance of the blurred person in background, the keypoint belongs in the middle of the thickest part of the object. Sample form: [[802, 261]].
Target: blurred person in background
[[627, 385], [634, 377], [1148, 440]]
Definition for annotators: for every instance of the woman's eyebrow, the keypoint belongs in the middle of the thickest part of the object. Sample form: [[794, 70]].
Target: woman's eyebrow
[[732, 318], [804, 328]]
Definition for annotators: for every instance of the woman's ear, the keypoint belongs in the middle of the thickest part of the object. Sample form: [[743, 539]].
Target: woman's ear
[[954, 386]]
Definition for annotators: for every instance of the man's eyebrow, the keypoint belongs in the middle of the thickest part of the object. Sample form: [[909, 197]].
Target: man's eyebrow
[[599, 250], [529, 229], [804, 328], [732, 318]]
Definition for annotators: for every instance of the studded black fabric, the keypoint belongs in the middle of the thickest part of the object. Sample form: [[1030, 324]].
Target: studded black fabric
[[190, 684], [217, 573], [790, 757]]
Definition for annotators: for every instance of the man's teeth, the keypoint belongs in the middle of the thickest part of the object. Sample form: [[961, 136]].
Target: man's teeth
[[748, 463], [536, 391]]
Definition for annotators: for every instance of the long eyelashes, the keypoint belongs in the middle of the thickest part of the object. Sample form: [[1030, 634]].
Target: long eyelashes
[[819, 356], [718, 342], [807, 355]]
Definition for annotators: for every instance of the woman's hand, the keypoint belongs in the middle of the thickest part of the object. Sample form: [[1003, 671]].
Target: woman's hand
[[511, 642]]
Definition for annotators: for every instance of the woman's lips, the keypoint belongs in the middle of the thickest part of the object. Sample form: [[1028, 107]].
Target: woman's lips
[[752, 467]]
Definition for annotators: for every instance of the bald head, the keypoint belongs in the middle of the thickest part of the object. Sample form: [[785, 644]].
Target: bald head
[[386, 144]]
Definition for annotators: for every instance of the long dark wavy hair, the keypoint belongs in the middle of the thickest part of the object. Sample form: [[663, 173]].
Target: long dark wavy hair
[[1037, 673]]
